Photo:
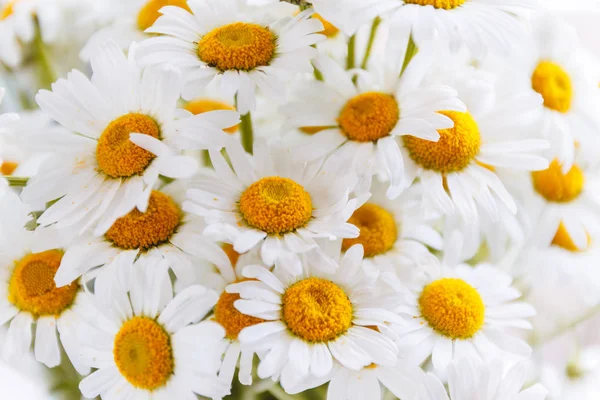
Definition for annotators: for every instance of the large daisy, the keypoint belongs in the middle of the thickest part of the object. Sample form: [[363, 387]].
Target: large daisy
[[29, 297], [125, 138], [365, 123], [147, 344], [457, 311], [314, 318], [240, 46], [478, 24], [272, 201]]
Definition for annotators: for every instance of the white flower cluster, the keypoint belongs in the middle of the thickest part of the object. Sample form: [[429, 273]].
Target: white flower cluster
[[340, 199]]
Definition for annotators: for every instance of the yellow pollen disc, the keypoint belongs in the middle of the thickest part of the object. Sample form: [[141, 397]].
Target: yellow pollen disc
[[230, 318], [328, 29], [317, 310], [455, 150], [378, 230], [233, 255], [554, 84], [238, 46], [557, 187], [452, 308], [445, 4], [369, 117], [138, 230], [276, 205], [311, 130], [8, 167], [563, 239], [8, 10], [143, 354], [149, 13], [32, 288], [117, 156], [201, 106]]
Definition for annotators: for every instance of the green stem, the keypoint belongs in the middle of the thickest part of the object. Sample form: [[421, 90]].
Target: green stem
[[564, 329], [17, 181], [206, 159], [247, 133], [46, 73], [317, 73], [411, 51], [374, 27], [351, 52]]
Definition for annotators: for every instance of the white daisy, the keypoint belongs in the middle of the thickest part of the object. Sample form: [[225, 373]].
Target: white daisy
[[240, 46], [99, 174], [364, 123], [457, 311], [147, 344], [478, 24], [28, 296], [7, 165], [459, 170], [273, 202], [313, 318], [575, 379], [468, 380]]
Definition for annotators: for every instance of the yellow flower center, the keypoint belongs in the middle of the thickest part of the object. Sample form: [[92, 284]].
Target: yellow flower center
[[328, 29], [455, 150], [8, 167], [117, 156], [452, 308], [32, 288], [230, 318], [138, 230], [8, 10], [149, 13], [378, 230], [317, 310], [554, 84], [238, 46], [233, 255], [201, 106], [143, 354], [445, 4], [563, 239], [276, 205], [557, 187], [369, 116]]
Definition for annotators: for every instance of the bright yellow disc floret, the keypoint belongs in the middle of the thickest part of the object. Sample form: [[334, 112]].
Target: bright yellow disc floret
[[32, 288], [563, 239], [554, 84], [238, 46], [143, 354], [455, 150], [8, 10], [378, 230], [557, 187], [230, 318], [317, 310], [201, 106], [445, 4], [328, 29], [369, 116], [117, 156], [452, 308], [276, 205], [149, 13], [138, 230], [8, 167]]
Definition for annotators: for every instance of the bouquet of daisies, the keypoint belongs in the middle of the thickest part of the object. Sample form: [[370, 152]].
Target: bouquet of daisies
[[274, 200]]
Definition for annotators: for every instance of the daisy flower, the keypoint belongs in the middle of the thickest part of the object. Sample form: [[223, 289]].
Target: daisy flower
[[478, 24], [7, 122], [314, 318], [273, 202], [474, 380], [365, 123], [495, 132], [29, 297], [239, 46], [147, 344], [575, 379], [125, 136], [457, 311]]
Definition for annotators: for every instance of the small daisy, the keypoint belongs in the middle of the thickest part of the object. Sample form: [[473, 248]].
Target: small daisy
[[575, 379], [478, 24], [552, 67], [468, 380], [147, 344], [366, 123], [240, 46], [29, 297], [272, 202], [458, 311], [495, 132], [7, 123], [127, 21], [125, 136], [313, 319]]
